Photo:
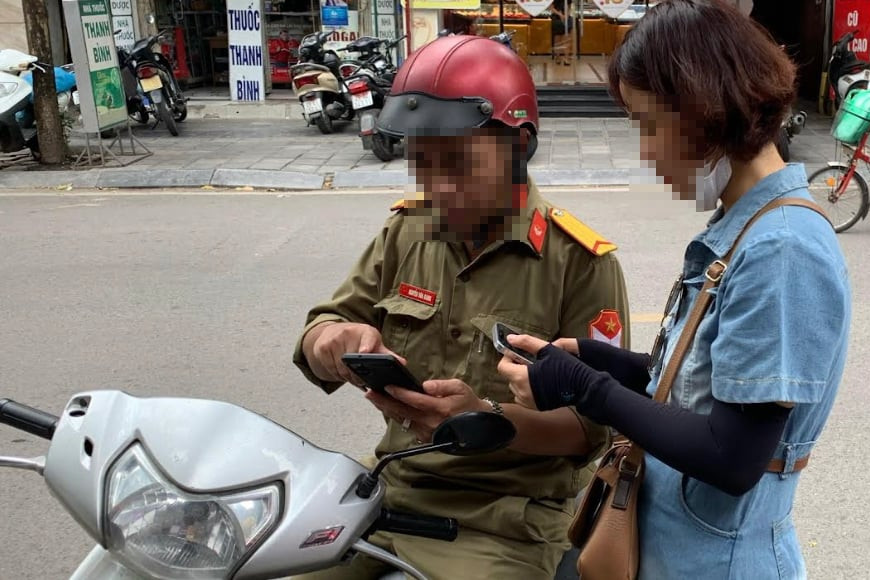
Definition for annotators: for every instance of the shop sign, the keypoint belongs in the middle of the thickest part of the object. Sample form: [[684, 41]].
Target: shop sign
[[386, 27], [245, 45], [92, 44], [126, 38], [334, 12], [446, 4], [534, 7], [384, 12], [852, 15], [614, 8], [122, 19], [122, 7]]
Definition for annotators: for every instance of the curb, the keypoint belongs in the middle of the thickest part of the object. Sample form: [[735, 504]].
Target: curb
[[127, 178]]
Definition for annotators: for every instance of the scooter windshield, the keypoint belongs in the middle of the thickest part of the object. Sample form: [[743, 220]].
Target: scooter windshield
[[419, 114]]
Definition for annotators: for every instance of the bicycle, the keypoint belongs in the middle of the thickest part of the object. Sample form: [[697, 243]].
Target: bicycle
[[839, 186]]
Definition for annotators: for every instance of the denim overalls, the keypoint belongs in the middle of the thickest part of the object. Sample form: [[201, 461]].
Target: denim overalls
[[777, 330]]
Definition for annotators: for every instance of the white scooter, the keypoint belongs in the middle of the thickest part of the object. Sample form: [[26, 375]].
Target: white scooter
[[192, 488], [15, 94]]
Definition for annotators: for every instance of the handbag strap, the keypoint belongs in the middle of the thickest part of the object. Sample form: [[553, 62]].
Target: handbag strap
[[714, 274]]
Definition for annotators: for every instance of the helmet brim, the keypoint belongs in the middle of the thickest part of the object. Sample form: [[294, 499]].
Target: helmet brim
[[416, 114]]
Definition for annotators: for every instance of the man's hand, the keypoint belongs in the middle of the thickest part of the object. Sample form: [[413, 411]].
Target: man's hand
[[326, 343], [517, 373], [443, 399]]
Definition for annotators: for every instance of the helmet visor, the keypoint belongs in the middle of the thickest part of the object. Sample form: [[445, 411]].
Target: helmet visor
[[417, 114]]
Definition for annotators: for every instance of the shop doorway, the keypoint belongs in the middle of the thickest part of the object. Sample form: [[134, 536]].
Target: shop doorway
[[198, 46], [569, 43]]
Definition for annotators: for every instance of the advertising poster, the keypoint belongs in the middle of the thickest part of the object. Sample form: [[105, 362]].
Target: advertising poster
[[245, 44], [342, 34], [534, 7], [614, 8], [102, 63], [852, 15], [446, 5], [334, 13]]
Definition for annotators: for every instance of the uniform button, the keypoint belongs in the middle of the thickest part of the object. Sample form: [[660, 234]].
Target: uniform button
[[455, 333], [465, 277]]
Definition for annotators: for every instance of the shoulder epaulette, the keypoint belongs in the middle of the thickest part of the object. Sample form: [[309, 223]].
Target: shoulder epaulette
[[581, 233], [398, 205]]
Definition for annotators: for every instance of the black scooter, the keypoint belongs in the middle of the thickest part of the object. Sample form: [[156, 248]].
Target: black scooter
[[846, 72], [369, 86], [150, 85]]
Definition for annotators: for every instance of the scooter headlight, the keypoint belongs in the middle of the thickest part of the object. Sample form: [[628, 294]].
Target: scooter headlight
[[7, 89], [165, 532]]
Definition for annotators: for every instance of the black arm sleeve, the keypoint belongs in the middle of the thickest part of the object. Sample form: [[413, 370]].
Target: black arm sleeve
[[728, 449], [627, 367]]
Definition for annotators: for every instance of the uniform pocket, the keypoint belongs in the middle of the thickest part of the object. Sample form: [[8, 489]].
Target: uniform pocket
[[404, 319], [690, 491], [482, 362], [789, 560]]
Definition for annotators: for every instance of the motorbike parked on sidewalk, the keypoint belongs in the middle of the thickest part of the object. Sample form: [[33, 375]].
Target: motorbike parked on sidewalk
[[368, 87], [319, 84], [791, 126], [167, 494], [17, 117], [150, 85], [846, 72]]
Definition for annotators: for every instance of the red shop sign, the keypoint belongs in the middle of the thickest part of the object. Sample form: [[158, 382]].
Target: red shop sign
[[852, 15]]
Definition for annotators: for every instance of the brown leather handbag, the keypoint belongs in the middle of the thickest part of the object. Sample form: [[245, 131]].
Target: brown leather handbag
[[605, 526]]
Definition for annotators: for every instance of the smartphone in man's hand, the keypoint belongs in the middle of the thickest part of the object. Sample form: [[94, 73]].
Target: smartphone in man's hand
[[378, 371]]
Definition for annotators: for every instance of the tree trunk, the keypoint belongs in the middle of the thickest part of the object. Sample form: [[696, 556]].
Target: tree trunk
[[49, 128]]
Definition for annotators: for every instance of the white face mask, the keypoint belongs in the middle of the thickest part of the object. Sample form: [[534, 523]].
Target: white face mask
[[711, 184]]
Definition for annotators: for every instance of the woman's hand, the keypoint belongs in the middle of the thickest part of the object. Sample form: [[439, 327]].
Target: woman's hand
[[425, 412], [517, 373]]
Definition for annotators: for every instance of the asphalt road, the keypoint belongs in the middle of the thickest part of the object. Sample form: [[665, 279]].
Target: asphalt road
[[204, 295]]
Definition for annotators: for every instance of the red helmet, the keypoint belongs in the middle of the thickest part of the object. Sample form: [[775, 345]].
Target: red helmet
[[460, 82]]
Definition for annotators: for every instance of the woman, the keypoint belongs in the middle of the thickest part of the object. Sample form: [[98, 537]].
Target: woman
[[759, 379]]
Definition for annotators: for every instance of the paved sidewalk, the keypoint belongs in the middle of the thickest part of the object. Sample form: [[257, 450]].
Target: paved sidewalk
[[279, 153]]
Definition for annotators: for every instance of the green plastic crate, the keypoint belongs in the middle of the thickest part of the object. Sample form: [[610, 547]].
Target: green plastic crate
[[853, 118]]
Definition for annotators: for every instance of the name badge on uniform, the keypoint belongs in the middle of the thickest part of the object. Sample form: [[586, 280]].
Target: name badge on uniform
[[607, 328], [417, 294]]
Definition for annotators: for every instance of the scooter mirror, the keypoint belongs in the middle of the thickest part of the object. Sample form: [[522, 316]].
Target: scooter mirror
[[474, 433], [151, 19], [471, 433]]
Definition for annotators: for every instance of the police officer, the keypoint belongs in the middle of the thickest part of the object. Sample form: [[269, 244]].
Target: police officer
[[478, 246]]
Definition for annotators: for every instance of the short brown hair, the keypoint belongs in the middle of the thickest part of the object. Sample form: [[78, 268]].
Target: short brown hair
[[718, 69]]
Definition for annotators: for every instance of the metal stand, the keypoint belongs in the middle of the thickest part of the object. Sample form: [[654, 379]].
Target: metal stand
[[88, 156]]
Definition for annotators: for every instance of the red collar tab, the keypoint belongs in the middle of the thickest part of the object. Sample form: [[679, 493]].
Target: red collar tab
[[537, 231], [521, 196]]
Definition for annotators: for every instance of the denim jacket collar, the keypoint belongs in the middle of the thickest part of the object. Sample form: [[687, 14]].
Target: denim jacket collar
[[724, 227]]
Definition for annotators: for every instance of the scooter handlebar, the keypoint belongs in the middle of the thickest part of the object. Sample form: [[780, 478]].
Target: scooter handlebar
[[28, 419], [417, 525]]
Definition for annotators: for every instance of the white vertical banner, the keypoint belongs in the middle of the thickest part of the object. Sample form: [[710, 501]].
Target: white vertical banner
[[246, 40], [385, 19], [122, 19]]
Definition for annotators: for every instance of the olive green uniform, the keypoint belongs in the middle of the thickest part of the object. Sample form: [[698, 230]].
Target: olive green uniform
[[513, 508]]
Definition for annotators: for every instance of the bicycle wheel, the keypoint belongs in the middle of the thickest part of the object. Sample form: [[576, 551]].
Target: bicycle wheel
[[851, 205]]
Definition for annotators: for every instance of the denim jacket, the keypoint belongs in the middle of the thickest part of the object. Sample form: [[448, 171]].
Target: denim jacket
[[776, 331]]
